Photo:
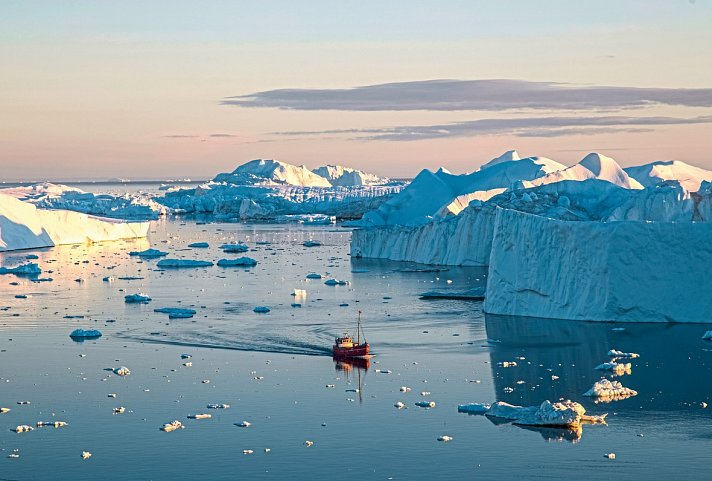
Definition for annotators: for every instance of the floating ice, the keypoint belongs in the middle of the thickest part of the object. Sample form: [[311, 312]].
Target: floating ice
[[620, 354], [239, 262], [335, 282], [29, 269], [148, 253], [5, 410], [180, 263], [86, 455], [122, 371], [243, 424], [200, 416], [445, 438], [564, 414], [176, 312], [136, 299], [23, 428], [616, 368], [261, 309], [473, 408], [172, 426], [119, 410], [85, 334], [53, 424], [475, 294], [234, 248], [313, 275], [218, 406], [610, 390], [199, 245], [425, 404], [707, 336], [399, 405], [311, 243]]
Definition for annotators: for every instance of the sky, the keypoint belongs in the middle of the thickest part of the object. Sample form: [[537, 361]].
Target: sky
[[184, 89]]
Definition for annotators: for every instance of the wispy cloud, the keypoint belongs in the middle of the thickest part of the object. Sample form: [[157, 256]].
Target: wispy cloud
[[217, 136], [485, 95], [520, 127], [181, 136]]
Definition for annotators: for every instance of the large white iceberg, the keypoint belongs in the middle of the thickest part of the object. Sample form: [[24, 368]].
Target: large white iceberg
[[689, 176], [129, 206], [429, 193], [600, 271], [270, 190], [24, 226]]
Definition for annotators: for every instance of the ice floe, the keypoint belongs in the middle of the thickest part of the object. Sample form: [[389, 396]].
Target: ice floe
[[176, 312], [182, 263], [136, 299], [239, 262], [610, 390], [85, 334]]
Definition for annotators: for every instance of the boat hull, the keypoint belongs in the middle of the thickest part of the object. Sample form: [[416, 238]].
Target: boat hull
[[360, 350]]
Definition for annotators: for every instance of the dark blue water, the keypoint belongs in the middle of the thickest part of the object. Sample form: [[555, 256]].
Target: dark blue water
[[273, 370]]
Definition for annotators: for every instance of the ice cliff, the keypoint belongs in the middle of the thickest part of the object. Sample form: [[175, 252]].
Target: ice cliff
[[24, 226]]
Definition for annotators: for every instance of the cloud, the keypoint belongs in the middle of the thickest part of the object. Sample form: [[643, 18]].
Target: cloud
[[222, 135], [520, 127], [485, 95], [180, 136]]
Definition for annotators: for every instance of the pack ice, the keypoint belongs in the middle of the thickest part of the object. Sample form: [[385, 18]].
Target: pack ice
[[590, 242], [25, 226]]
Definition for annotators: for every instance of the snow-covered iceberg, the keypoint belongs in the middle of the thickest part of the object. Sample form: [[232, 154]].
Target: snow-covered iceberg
[[599, 271], [46, 195], [24, 226], [269, 190], [689, 176], [429, 193]]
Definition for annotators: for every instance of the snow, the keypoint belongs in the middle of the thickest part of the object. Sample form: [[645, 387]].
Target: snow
[[599, 271], [689, 176], [181, 263], [273, 171], [593, 166], [347, 177], [24, 226]]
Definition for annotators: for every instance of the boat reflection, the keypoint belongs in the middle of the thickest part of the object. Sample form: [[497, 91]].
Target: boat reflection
[[347, 366]]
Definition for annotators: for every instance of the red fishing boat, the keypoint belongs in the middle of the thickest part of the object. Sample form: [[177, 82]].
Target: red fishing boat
[[345, 347]]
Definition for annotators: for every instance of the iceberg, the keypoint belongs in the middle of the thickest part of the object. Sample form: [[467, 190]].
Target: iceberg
[[181, 263], [29, 269], [430, 192], [689, 176], [599, 271], [24, 226], [610, 390], [272, 190], [234, 248], [199, 245], [239, 262], [135, 206]]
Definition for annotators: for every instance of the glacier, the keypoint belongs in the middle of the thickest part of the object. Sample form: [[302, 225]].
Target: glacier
[[25, 226]]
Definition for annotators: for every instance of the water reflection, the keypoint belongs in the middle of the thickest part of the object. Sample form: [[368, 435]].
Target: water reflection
[[556, 359], [347, 366]]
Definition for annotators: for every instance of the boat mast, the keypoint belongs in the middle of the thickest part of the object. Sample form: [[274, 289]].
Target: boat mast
[[358, 329]]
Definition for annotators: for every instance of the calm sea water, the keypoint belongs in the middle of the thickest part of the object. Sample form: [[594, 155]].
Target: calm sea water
[[274, 369]]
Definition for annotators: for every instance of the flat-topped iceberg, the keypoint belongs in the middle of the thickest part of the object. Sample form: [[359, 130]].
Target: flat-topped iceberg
[[148, 253], [135, 206], [182, 263], [176, 312], [24, 226]]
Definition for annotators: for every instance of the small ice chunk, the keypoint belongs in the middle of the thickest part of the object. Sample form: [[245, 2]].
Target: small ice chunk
[[182, 263], [399, 405], [261, 309], [176, 312], [627, 355], [148, 253], [136, 299], [313, 275], [5, 410], [308, 443], [616, 368], [335, 282], [122, 371], [218, 406], [200, 416], [119, 410], [311, 243], [237, 248], [507, 364], [610, 390], [247, 451], [85, 334], [404, 389], [23, 428], [243, 424], [425, 404], [445, 438], [172, 426], [199, 245], [610, 455], [707, 336], [54, 424], [86, 455]]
